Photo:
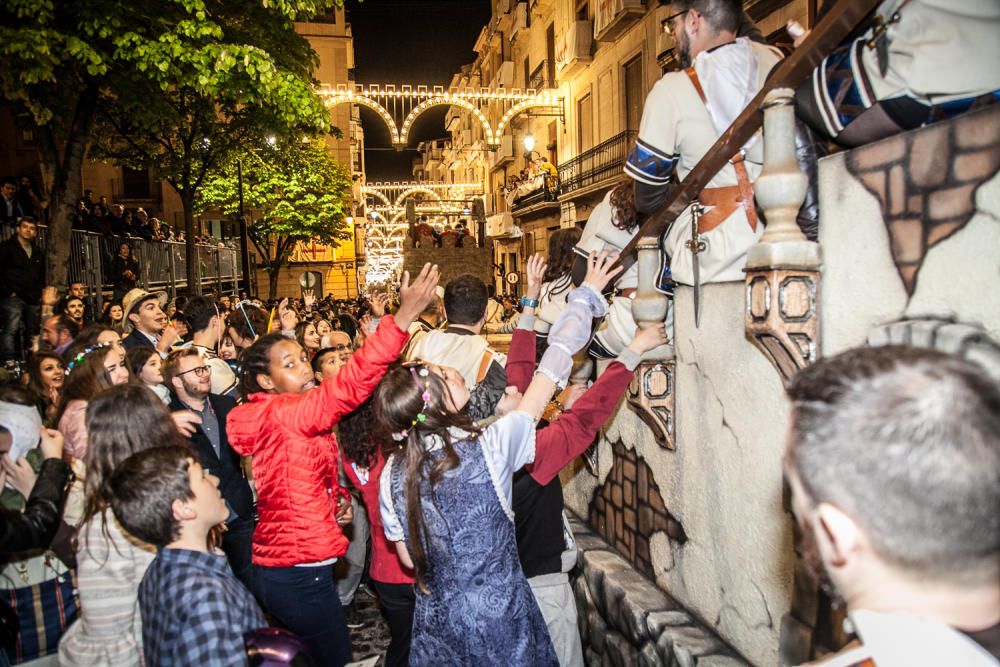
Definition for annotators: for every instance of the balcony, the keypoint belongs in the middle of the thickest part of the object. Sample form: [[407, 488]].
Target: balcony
[[544, 76], [596, 166], [542, 200], [505, 75], [504, 153], [613, 17], [520, 19], [573, 52]]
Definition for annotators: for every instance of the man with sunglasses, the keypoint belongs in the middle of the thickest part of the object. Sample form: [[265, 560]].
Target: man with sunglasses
[[189, 378], [684, 114]]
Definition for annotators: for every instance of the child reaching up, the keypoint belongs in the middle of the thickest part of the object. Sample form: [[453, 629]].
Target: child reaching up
[[288, 432], [446, 499], [194, 610]]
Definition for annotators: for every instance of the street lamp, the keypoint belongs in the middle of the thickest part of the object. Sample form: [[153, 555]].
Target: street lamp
[[529, 142]]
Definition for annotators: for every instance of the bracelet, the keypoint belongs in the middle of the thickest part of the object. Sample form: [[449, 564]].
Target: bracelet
[[529, 303]]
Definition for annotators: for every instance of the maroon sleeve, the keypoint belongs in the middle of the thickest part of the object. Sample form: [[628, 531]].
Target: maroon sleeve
[[559, 443], [521, 359]]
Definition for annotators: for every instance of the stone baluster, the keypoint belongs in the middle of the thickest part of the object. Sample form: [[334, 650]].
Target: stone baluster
[[782, 271], [651, 393]]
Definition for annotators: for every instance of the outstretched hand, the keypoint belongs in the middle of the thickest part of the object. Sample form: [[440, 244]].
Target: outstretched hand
[[416, 296], [308, 298], [287, 316], [378, 302], [649, 338], [601, 269], [536, 272]]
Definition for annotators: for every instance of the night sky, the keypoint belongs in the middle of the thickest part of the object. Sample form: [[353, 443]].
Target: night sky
[[415, 42]]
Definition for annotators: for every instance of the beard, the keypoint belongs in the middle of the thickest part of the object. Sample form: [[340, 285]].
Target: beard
[[195, 389], [683, 49]]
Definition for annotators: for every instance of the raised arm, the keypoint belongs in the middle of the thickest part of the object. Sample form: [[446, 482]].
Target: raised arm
[[562, 441], [521, 357], [569, 333]]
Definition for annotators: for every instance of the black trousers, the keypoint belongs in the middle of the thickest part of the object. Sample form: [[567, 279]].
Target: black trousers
[[397, 607]]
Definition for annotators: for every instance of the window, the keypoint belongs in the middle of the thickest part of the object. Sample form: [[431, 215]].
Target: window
[[632, 81], [135, 183], [583, 11], [585, 123]]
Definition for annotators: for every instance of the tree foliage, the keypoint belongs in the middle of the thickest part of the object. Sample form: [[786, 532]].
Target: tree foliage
[[302, 194], [175, 84]]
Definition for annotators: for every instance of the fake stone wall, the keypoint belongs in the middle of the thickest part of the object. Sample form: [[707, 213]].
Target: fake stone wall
[[911, 229], [729, 560], [453, 262]]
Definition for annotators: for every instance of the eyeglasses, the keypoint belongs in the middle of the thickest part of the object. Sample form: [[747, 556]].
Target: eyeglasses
[[200, 371], [668, 23], [340, 348]]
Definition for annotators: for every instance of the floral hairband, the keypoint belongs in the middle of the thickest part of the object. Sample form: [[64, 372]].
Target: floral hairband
[[418, 373], [75, 361]]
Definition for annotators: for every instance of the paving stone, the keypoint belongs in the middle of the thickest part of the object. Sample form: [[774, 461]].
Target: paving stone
[[619, 650], [691, 643]]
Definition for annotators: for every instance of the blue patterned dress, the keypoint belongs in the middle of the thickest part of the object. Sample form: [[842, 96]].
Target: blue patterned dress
[[480, 610]]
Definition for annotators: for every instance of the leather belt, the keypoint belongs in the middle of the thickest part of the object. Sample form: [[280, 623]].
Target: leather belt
[[628, 292]]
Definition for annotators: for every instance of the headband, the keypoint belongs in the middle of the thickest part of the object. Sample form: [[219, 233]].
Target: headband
[[75, 361], [242, 306], [417, 373]]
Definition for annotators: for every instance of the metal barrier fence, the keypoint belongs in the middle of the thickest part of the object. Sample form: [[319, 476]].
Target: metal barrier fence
[[162, 264]]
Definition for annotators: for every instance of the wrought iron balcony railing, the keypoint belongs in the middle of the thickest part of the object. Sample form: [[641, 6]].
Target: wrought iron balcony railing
[[544, 76], [603, 161]]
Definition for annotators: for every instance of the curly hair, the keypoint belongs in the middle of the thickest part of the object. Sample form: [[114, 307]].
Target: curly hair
[[622, 200]]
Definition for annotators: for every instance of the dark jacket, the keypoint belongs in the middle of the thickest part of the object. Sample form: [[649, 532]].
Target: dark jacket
[[119, 266], [20, 274], [232, 483], [35, 527], [136, 339]]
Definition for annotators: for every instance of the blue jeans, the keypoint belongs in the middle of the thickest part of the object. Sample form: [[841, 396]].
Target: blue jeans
[[15, 313], [304, 600]]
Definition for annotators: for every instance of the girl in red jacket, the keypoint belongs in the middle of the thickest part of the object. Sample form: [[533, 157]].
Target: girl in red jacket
[[287, 431]]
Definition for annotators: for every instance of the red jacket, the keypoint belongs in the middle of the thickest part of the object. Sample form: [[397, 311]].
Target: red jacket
[[295, 455]]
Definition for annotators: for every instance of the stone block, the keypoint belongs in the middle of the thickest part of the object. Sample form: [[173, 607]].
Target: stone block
[[722, 661], [659, 622], [584, 604], [598, 631], [620, 651], [649, 657], [591, 658], [665, 648], [630, 597], [596, 565], [692, 643]]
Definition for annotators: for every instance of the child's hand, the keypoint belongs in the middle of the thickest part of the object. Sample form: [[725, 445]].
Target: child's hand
[[600, 271], [378, 303], [536, 271], [413, 298], [20, 475], [649, 338], [345, 511]]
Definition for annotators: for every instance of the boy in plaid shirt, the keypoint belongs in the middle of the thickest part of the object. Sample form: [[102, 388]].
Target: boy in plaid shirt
[[194, 611]]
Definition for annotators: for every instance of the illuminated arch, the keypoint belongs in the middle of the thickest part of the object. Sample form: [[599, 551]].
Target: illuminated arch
[[414, 190], [377, 194], [524, 105], [448, 100], [351, 98]]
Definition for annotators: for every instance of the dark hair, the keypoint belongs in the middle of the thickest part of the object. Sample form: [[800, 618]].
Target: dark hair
[[465, 299], [137, 358], [199, 311], [348, 325], [317, 361], [622, 200], [87, 378], [42, 398], [561, 256], [256, 360], [907, 442], [721, 15], [120, 422], [249, 321], [398, 399], [88, 335], [142, 491], [16, 394], [26, 219], [300, 331], [66, 323], [171, 365], [355, 434]]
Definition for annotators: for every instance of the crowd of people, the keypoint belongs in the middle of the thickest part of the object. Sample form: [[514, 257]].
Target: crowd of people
[[539, 174]]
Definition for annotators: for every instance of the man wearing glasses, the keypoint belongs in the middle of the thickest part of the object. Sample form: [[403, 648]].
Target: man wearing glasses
[[684, 114], [189, 378]]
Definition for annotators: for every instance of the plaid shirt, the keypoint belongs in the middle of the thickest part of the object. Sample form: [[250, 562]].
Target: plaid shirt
[[194, 611]]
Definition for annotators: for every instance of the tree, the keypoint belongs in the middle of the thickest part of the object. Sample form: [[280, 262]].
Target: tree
[[65, 62], [303, 194]]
